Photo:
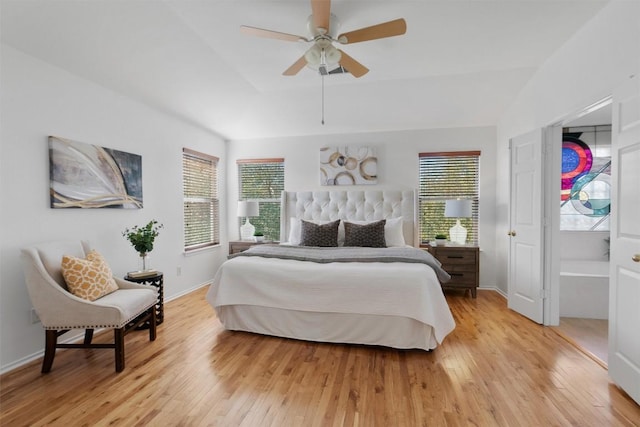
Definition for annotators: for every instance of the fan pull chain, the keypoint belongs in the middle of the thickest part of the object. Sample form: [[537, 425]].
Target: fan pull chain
[[322, 100]]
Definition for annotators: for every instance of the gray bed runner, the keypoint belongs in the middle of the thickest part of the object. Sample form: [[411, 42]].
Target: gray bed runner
[[347, 254]]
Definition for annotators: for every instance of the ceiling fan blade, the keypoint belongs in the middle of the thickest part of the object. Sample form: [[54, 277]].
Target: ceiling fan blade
[[259, 32], [321, 10], [352, 66], [296, 67], [387, 29]]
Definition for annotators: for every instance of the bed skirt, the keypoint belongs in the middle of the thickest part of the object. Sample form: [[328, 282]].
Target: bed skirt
[[383, 330]]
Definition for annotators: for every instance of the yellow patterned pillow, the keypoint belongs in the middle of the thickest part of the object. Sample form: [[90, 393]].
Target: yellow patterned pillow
[[89, 278]]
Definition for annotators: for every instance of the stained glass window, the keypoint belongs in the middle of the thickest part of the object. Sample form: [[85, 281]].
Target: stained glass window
[[585, 195]]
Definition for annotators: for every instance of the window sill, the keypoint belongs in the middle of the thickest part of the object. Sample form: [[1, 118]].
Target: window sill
[[200, 250]]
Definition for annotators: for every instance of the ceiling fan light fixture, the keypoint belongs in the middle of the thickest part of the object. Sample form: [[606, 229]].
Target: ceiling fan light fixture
[[322, 55], [332, 55], [313, 55]]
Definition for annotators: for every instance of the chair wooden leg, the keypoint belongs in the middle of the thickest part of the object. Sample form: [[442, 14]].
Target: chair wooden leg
[[119, 348], [152, 324], [51, 339], [88, 336]]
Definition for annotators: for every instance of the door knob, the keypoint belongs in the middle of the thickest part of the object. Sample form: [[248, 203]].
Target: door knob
[[511, 233], [636, 258]]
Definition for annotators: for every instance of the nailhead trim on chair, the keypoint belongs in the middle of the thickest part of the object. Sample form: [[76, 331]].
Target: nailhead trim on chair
[[97, 326]]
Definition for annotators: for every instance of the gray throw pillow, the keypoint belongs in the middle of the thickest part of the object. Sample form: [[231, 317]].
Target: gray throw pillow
[[325, 235], [367, 235]]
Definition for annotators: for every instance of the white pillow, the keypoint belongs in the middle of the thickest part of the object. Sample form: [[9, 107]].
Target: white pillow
[[295, 230], [393, 234]]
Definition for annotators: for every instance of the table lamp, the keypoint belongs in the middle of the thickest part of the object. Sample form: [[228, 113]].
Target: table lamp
[[457, 209], [247, 209]]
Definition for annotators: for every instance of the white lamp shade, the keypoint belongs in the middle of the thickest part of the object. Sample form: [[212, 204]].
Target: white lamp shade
[[332, 55], [247, 208], [313, 55], [457, 208], [317, 55]]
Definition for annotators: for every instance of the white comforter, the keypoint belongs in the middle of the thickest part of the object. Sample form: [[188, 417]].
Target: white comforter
[[396, 289]]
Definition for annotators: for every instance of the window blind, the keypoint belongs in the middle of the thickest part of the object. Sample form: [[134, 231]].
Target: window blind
[[443, 176], [262, 180], [201, 202]]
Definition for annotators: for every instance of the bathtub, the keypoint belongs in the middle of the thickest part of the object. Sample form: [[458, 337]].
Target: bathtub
[[584, 289]]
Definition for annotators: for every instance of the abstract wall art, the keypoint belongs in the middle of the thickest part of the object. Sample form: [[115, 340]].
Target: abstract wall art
[[348, 165], [89, 176], [585, 200]]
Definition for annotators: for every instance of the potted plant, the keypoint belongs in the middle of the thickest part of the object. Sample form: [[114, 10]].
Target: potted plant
[[441, 239], [142, 239], [258, 236]]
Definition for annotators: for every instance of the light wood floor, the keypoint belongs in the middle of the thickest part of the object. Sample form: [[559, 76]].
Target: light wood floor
[[496, 368], [590, 335]]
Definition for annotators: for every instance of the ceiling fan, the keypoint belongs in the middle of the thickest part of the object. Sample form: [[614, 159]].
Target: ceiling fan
[[323, 55]]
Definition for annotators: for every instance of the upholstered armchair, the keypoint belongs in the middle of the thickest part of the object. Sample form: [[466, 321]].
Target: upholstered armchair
[[125, 306]]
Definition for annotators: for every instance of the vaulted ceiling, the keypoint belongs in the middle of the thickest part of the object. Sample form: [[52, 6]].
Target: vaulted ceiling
[[459, 64]]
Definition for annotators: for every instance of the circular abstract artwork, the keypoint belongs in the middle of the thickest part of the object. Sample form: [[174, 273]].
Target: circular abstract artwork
[[349, 165], [577, 160], [590, 194]]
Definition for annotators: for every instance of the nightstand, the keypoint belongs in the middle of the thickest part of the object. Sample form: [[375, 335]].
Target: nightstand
[[462, 263], [238, 246]]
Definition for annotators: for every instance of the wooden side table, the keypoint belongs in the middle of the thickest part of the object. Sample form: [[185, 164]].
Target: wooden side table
[[156, 280], [463, 265], [238, 246]]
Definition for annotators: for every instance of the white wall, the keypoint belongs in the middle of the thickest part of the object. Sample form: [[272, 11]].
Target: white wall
[[598, 58], [397, 169], [40, 100], [584, 245]]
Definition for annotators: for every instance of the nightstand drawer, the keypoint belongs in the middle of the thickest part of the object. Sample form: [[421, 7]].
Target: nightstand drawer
[[456, 256], [459, 268], [461, 278]]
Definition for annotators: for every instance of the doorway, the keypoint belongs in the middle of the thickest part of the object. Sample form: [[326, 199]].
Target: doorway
[[580, 239]]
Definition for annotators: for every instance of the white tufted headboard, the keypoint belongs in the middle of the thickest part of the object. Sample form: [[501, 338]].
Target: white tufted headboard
[[359, 205]]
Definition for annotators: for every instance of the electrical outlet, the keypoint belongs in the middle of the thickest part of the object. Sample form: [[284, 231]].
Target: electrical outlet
[[34, 316], [179, 271]]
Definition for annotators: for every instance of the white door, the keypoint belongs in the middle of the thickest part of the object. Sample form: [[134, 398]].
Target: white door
[[525, 232], [624, 282]]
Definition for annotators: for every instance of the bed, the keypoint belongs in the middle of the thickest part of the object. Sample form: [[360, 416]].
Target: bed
[[387, 296]]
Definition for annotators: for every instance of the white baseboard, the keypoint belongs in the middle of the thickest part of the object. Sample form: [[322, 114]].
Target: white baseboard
[[38, 354], [495, 289], [188, 291]]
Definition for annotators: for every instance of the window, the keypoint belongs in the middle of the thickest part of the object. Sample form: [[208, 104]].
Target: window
[[443, 176], [262, 180], [585, 198], [201, 204]]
